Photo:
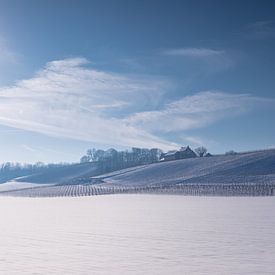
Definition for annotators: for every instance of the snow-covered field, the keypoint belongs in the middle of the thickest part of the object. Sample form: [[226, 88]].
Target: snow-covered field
[[242, 174], [134, 234], [14, 185]]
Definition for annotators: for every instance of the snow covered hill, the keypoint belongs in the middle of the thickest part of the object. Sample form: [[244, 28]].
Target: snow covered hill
[[60, 175], [254, 167], [240, 174]]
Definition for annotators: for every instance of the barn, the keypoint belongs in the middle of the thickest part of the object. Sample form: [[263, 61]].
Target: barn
[[183, 153]]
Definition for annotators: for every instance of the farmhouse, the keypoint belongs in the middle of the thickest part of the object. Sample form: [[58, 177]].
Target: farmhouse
[[183, 153]]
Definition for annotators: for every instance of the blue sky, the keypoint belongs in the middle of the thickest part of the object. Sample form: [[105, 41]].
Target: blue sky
[[81, 74]]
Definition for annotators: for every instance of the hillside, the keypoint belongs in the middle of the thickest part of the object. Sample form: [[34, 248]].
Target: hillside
[[53, 173], [254, 168], [61, 174]]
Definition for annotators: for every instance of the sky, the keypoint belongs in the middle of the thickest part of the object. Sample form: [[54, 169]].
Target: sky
[[123, 73]]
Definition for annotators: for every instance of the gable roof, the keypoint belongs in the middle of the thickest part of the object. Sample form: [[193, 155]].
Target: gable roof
[[184, 148], [171, 153]]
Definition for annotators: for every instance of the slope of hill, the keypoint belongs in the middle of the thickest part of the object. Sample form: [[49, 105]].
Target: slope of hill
[[61, 174], [256, 169]]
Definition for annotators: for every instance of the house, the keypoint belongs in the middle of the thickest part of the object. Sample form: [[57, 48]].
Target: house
[[183, 153]]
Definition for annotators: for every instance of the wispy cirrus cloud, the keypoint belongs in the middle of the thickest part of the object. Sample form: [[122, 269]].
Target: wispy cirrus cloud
[[196, 111], [193, 52], [69, 99], [209, 59]]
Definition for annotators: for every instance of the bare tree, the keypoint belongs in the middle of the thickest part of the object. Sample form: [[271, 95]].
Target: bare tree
[[91, 154], [84, 159], [201, 151]]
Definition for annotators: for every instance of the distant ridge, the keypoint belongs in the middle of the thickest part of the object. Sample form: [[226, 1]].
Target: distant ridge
[[255, 171]]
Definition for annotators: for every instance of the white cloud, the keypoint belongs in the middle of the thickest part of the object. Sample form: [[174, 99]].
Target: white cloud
[[195, 111], [210, 60], [193, 52], [69, 99]]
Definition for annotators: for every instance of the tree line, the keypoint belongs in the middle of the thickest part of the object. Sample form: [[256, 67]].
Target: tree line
[[111, 159], [9, 170]]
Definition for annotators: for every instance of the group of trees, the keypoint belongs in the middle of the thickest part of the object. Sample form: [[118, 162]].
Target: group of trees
[[11, 166], [135, 156], [9, 170], [112, 159]]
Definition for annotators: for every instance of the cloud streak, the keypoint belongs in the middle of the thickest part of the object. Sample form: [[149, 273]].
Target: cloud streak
[[212, 60], [193, 52], [68, 98], [196, 111]]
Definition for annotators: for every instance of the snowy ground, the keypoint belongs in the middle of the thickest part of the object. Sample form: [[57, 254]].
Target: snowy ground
[[134, 234], [14, 185], [250, 174]]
